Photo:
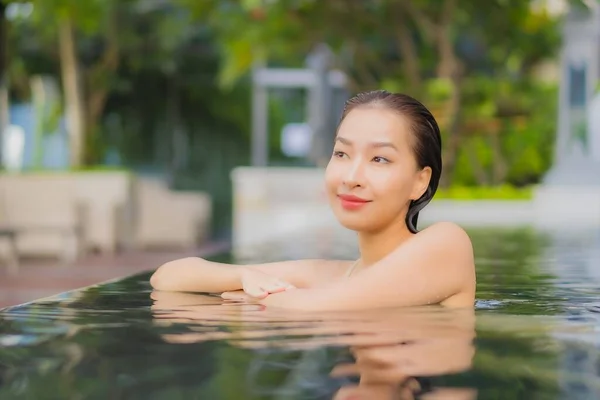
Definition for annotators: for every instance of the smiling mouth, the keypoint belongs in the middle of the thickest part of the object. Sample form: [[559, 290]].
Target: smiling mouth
[[352, 202]]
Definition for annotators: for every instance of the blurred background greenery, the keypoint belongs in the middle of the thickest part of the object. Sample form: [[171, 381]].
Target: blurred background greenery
[[163, 86]]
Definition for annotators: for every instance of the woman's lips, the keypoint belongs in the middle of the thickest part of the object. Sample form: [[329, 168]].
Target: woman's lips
[[350, 202]]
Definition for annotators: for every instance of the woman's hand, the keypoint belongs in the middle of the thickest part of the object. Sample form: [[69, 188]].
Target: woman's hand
[[257, 285], [237, 295]]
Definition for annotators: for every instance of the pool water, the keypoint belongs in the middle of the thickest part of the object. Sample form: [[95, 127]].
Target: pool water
[[534, 334]]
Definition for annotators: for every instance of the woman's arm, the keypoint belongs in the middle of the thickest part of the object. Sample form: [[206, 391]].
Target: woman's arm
[[433, 267], [194, 274]]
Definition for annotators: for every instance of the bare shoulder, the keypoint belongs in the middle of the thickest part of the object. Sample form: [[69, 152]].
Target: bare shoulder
[[453, 251], [447, 235], [447, 244], [442, 244]]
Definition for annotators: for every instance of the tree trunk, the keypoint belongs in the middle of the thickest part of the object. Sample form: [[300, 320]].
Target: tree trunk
[[98, 79], [453, 136], [438, 34], [500, 165], [410, 57], [449, 68], [74, 105], [364, 79], [4, 116], [479, 171]]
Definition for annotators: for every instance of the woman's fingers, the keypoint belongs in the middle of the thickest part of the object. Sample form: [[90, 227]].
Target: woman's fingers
[[260, 285], [250, 291], [237, 295], [277, 286], [284, 284], [261, 288], [256, 291], [274, 289]]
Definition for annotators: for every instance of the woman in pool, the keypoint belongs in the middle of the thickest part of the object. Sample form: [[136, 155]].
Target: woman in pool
[[385, 168]]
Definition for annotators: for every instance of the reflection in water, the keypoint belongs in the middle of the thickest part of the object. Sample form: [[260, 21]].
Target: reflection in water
[[533, 335], [389, 353]]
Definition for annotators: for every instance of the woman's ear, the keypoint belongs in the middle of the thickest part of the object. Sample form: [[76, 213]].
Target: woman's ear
[[421, 183]]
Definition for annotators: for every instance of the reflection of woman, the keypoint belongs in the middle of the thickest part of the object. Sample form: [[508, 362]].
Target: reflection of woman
[[393, 353], [385, 168], [402, 370]]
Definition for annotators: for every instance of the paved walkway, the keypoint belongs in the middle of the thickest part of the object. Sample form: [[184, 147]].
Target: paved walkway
[[42, 278]]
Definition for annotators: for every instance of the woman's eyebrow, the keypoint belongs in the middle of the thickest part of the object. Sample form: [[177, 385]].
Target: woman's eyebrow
[[343, 140], [377, 144], [383, 144]]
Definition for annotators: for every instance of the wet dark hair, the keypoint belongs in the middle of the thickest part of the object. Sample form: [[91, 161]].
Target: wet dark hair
[[427, 143]]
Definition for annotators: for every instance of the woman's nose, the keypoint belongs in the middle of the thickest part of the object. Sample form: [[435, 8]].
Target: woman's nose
[[354, 175]]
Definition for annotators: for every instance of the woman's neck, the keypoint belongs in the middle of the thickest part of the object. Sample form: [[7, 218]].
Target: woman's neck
[[376, 245]]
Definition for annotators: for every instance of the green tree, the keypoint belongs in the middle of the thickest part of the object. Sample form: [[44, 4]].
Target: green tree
[[437, 51], [85, 38]]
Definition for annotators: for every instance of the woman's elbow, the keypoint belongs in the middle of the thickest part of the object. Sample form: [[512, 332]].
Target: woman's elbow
[[163, 277]]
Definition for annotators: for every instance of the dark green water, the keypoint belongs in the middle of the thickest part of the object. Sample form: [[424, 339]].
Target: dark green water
[[535, 334]]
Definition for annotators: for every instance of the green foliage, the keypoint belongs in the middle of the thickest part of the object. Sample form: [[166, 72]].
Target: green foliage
[[367, 33], [161, 88], [497, 43], [438, 89], [502, 192], [513, 116], [247, 33], [183, 75], [86, 15]]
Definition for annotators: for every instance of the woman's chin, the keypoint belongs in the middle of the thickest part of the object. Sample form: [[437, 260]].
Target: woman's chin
[[355, 220], [355, 224]]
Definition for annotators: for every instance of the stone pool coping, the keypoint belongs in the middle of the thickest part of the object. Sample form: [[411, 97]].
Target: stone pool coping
[[38, 279]]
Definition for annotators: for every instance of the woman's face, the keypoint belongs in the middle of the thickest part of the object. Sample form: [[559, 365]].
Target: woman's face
[[373, 173]]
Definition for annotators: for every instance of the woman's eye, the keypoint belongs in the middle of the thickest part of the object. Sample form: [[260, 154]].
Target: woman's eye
[[381, 160], [339, 154]]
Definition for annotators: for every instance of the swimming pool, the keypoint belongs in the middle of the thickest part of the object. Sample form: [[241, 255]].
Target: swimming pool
[[535, 334]]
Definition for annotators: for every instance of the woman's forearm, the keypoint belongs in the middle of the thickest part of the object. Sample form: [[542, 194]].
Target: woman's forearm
[[197, 275]]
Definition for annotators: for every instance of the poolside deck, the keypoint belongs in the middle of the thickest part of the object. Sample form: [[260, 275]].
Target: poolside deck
[[42, 278]]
